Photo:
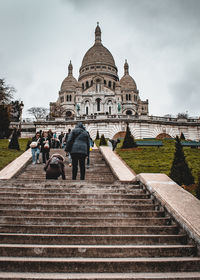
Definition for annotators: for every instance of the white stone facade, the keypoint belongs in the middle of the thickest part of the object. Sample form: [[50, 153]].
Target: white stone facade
[[98, 90]]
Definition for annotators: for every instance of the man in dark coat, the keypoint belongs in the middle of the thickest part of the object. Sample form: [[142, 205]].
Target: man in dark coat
[[55, 167], [78, 145]]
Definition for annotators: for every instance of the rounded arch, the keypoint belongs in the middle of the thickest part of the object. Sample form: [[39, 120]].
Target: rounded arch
[[68, 114], [163, 136], [129, 112], [86, 101], [120, 134], [108, 99], [98, 104]]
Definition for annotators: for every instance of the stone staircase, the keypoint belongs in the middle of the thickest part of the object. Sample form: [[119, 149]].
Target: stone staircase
[[89, 230], [98, 171]]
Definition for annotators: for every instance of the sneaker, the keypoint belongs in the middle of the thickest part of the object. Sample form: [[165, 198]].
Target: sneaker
[[38, 161], [87, 166], [34, 162], [70, 165]]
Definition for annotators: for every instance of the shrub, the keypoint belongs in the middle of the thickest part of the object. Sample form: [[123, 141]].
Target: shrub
[[103, 141], [14, 144], [180, 172], [97, 136], [182, 137], [129, 141]]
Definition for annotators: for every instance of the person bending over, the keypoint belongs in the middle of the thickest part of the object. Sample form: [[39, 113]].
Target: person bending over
[[55, 167]]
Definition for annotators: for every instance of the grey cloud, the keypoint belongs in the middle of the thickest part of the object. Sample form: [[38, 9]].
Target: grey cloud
[[186, 90], [160, 39]]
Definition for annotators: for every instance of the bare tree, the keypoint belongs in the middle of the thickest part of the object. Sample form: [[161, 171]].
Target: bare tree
[[38, 112], [6, 92]]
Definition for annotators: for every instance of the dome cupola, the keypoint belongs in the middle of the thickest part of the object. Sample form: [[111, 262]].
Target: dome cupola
[[127, 82], [98, 60], [69, 83]]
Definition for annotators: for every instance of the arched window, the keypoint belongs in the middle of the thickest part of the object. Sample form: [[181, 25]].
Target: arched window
[[87, 107], [98, 104], [129, 97], [70, 98], [82, 86], [68, 114], [87, 84], [129, 112], [91, 83], [110, 109], [98, 85], [114, 85], [126, 97], [109, 84], [105, 82]]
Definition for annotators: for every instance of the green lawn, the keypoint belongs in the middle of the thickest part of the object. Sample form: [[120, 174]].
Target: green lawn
[[8, 155], [159, 160]]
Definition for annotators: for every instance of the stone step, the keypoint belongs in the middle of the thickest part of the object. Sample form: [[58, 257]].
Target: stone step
[[104, 178], [65, 195], [62, 189], [86, 229], [100, 265], [62, 221], [101, 276], [61, 185], [85, 201], [73, 190], [96, 251], [43, 189], [78, 207], [92, 239], [78, 213]]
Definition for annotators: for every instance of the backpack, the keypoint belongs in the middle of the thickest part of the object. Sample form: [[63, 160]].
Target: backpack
[[54, 162]]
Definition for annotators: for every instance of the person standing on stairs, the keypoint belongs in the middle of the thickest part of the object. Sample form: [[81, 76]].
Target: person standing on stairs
[[45, 146], [35, 148], [78, 145]]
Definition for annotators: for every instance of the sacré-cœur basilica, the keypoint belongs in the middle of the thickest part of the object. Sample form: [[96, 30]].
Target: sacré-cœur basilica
[[102, 101], [98, 90]]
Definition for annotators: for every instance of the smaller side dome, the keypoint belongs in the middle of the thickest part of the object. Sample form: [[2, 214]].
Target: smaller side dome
[[69, 83], [127, 82]]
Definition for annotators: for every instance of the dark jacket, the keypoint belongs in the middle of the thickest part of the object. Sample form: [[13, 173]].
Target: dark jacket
[[78, 141], [43, 141], [54, 172]]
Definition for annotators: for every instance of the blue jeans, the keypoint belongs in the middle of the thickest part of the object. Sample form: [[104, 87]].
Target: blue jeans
[[35, 153]]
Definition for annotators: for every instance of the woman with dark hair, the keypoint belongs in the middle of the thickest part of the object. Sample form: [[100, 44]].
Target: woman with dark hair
[[45, 146]]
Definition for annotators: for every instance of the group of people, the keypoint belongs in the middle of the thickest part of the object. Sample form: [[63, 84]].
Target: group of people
[[77, 145]]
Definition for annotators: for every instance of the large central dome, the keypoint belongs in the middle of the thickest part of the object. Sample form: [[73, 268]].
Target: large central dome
[[98, 59], [98, 54]]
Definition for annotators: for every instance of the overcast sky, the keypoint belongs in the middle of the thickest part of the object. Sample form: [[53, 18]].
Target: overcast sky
[[159, 38]]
